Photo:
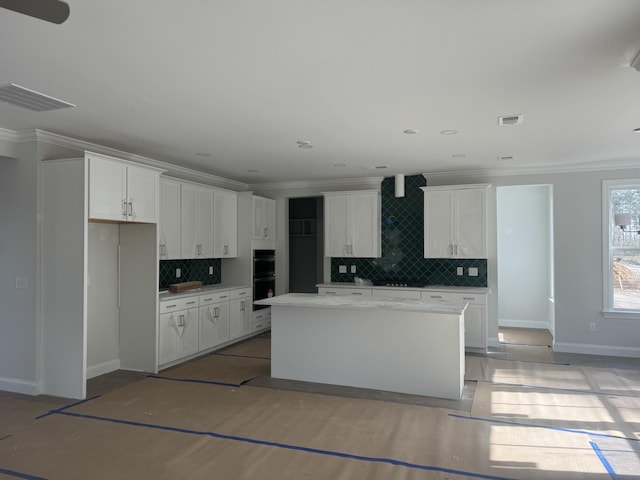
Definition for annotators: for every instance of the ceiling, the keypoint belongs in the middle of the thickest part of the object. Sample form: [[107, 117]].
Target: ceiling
[[244, 80]]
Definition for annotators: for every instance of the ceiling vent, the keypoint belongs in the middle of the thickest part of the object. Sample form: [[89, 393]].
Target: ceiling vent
[[510, 120], [23, 97]]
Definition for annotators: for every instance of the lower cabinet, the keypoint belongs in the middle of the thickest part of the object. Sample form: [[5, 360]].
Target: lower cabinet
[[261, 320], [178, 332], [203, 321], [240, 312]]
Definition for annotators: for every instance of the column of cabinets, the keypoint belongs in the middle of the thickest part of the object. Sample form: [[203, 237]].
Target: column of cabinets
[[352, 224], [193, 324], [455, 221], [196, 221]]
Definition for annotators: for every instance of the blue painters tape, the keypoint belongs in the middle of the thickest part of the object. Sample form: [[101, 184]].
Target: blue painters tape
[[603, 460], [518, 424], [572, 390], [195, 380], [12, 473], [241, 356], [254, 441], [57, 410]]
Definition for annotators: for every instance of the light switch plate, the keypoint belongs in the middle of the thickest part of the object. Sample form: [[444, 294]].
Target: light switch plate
[[473, 271], [342, 269]]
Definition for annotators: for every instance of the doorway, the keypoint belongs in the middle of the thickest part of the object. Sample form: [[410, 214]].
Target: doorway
[[306, 254], [525, 257]]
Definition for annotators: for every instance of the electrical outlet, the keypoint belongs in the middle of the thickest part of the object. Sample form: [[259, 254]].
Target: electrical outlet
[[473, 271], [178, 273], [592, 326], [460, 271], [353, 269], [22, 283], [342, 269], [210, 269]]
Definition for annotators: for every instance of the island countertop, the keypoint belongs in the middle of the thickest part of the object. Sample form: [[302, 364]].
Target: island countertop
[[362, 303]]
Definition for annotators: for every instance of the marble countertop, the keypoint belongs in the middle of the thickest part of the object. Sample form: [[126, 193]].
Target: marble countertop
[[425, 288], [314, 300], [217, 287]]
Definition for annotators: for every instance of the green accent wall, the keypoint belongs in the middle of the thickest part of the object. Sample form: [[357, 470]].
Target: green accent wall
[[403, 246]]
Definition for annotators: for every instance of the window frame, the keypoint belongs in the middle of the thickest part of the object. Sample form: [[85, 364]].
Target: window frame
[[608, 310]]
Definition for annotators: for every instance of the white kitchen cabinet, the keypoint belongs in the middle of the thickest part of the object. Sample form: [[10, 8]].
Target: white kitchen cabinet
[[264, 218], [178, 329], [341, 291], [395, 293], [121, 191], [196, 221], [455, 221], [169, 228], [213, 320], [225, 224], [240, 312], [352, 224], [475, 315]]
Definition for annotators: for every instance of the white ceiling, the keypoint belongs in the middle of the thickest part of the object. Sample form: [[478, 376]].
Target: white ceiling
[[244, 80]]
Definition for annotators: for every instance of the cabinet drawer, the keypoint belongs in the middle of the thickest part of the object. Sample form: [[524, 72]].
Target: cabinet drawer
[[475, 298], [214, 297], [178, 304], [395, 293], [240, 293], [345, 291]]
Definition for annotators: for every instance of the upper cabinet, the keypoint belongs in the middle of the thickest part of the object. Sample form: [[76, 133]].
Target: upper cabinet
[[455, 221], [121, 191], [264, 218], [225, 224], [352, 224], [196, 221]]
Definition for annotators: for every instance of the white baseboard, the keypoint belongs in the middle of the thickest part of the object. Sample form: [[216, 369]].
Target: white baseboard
[[19, 386], [506, 322], [102, 368], [605, 350]]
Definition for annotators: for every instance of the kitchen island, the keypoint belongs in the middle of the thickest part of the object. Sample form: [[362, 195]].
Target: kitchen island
[[394, 344]]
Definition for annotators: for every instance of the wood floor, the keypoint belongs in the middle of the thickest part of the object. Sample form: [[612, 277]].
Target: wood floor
[[527, 413]]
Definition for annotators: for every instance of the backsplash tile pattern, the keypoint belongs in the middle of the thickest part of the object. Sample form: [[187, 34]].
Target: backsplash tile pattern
[[402, 246], [190, 270]]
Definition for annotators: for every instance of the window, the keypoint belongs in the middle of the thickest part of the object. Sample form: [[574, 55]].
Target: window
[[621, 242]]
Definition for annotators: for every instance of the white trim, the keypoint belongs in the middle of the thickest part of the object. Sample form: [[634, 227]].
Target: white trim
[[8, 135], [102, 368], [590, 349], [364, 182], [621, 314], [507, 322], [19, 386]]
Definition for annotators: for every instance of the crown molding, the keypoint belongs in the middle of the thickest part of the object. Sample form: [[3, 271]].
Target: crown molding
[[171, 169], [370, 182], [8, 135]]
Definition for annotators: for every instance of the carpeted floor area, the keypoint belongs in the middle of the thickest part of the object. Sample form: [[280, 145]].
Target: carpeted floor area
[[525, 414]]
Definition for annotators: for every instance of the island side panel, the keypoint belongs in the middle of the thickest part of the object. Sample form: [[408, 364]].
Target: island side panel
[[408, 352]]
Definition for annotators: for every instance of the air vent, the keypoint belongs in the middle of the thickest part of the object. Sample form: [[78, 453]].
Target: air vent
[[505, 157], [510, 120], [23, 97]]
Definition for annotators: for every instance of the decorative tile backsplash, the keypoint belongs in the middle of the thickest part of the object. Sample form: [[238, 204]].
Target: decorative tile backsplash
[[402, 258], [190, 270]]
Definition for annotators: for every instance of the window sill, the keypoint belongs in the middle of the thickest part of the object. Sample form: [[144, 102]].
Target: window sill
[[621, 314]]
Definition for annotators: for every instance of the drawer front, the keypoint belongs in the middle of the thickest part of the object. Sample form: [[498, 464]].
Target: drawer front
[[178, 304], [345, 291], [391, 292], [240, 293], [215, 297], [475, 298]]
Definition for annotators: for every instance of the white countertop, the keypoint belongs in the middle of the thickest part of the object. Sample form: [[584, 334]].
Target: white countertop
[[314, 300], [426, 288], [216, 287]]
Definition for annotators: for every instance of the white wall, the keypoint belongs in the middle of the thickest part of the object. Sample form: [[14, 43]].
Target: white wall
[[524, 256]]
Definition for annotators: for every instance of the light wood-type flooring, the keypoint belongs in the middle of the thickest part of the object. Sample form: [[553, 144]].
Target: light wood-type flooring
[[526, 413]]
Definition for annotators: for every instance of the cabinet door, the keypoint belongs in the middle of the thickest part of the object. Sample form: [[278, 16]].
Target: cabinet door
[[335, 225], [470, 224], [204, 246], [168, 338], [188, 338], [107, 189], [169, 219], [214, 325], [142, 195], [270, 219], [364, 221], [438, 224], [259, 218], [475, 323], [225, 224], [239, 318], [188, 221]]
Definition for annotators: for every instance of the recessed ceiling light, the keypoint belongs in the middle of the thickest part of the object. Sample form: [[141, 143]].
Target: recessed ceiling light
[[305, 145], [510, 120], [410, 131], [376, 167], [303, 142], [459, 155], [636, 130], [448, 132], [203, 154], [505, 157], [339, 164], [253, 170]]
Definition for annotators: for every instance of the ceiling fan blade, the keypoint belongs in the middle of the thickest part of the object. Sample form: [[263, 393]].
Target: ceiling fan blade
[[53, 11]]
